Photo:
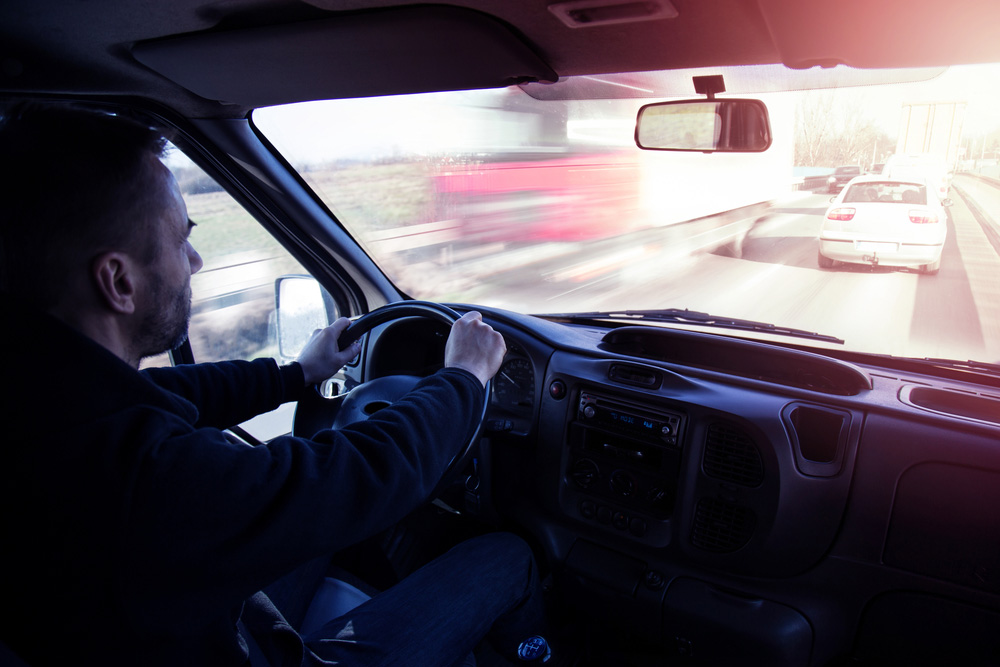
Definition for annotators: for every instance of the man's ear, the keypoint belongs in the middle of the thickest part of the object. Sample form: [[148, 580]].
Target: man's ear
[[115, 276]]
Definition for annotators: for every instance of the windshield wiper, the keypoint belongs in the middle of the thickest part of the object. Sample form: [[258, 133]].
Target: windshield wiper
[[969, 365], [685, 316]]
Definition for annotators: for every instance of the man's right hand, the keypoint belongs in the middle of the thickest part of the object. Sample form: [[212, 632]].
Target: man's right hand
[[474, 346], [321, 358]]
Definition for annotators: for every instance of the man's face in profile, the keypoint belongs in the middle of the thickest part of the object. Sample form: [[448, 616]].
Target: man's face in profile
[[166, 299]]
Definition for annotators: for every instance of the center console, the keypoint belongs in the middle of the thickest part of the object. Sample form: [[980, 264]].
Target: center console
[[623, 464]]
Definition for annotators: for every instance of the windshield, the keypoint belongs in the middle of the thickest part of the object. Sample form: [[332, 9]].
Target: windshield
[[498, 198]]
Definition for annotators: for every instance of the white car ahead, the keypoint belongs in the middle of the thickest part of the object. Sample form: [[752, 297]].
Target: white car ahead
[[885, 222]]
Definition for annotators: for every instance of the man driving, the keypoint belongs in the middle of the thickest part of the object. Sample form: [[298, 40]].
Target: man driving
[[136, 531]]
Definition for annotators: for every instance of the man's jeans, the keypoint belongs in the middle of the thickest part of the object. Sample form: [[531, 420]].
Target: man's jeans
[[438, 614]]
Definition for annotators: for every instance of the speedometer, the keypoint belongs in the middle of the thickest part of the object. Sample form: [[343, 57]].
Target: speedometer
[[514, 384]]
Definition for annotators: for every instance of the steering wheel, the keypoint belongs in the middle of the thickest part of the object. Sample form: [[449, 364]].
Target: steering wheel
[[315, 412]]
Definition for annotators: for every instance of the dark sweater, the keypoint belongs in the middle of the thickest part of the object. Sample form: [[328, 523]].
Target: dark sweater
[[134, 530]]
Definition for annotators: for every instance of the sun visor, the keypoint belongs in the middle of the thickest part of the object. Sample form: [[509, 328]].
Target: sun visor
[[892, 33], [389, 52]]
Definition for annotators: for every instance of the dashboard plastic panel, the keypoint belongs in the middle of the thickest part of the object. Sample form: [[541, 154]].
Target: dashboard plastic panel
[[793, 515]]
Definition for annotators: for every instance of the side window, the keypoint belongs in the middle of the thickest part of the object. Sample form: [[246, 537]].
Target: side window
[[233, 302], [232, 312]]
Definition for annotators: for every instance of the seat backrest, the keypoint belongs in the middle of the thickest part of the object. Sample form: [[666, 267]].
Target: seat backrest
[[8, 658]]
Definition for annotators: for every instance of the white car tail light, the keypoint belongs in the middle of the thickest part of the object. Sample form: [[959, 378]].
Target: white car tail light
[[842, 214], [922, 217]]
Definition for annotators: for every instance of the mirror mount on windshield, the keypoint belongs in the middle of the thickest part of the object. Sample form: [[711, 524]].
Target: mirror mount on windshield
[[709, 85], [705, 126]]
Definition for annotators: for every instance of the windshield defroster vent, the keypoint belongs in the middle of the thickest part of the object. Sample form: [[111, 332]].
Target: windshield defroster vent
[[721, 526], [732, 456], [753, 360]]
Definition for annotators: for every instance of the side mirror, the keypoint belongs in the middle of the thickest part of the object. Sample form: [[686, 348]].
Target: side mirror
[[302, 306], [707, 126], [947, 202]]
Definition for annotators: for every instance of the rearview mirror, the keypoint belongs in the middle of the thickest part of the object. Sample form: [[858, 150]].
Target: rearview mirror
[[707, 126]]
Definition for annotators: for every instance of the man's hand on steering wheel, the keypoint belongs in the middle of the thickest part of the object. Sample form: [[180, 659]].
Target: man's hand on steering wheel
[[321, 358], [474, 346]]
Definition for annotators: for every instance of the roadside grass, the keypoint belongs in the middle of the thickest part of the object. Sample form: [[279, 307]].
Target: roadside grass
[[370, 198], [364, 198], [230, 241]]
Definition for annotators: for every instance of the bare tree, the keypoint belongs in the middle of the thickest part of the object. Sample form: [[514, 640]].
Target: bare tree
[[812, 127], [832, 130]]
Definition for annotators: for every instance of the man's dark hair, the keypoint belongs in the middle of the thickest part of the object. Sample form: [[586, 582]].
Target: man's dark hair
[[73, 183]]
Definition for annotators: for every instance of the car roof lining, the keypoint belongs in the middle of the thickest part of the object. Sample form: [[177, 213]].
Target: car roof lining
[[184, 43]]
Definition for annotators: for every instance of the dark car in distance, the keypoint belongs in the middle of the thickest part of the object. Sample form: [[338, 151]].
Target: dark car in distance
[[840, 177]]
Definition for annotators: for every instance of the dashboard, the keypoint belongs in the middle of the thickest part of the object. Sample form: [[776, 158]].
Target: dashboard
[[726, 499]]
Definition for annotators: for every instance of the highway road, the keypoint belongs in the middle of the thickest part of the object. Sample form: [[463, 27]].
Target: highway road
[[954, 314], [771, 277]]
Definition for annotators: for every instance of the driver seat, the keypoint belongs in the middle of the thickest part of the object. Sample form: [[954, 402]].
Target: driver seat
[[8, 658], [316, 593], [334, 598]]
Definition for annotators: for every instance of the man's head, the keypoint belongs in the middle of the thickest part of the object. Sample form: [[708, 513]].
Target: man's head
[[92, 225]]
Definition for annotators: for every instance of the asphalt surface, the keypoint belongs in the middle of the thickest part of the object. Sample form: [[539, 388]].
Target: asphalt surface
[[954, 314]]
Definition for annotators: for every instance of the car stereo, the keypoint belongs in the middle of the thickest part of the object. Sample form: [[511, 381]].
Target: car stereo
[[624, 460]]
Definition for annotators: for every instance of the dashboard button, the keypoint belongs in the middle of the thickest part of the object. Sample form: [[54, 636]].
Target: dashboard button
[[499, 425], [654, 580], [557, 389]]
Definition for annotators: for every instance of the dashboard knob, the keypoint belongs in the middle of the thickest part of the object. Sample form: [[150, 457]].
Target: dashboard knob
[[622, 483], [589, 412], [585, 472]]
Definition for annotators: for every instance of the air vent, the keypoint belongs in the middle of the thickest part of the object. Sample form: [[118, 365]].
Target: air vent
[[721, 526], [753, 360], [730, 455], [634, 375]]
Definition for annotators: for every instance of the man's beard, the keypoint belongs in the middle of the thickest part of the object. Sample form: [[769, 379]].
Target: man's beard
[[165, 326]]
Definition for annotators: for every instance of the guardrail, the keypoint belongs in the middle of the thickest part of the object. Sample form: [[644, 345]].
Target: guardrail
[[811, 182]]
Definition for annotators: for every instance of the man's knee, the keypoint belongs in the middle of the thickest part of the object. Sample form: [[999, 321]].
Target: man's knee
[[505, 547], [497, 559]]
